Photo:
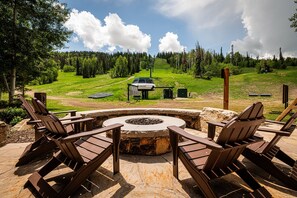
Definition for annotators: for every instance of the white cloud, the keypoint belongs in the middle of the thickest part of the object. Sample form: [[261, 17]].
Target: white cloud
[[114, 33], [170, 43], [267, 28], [257, 27]]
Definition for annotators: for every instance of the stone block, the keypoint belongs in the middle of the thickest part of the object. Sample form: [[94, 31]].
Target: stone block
[[214, 115], [3, 132]]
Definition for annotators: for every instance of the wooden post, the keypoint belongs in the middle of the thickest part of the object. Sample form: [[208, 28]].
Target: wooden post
[[285, 95], [128, 93], [226, 88], [41, 96]]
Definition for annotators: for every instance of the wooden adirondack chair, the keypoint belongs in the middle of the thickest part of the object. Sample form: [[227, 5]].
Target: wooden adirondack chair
[[262, 153], [42, 144], [83, 153], [206, 159]]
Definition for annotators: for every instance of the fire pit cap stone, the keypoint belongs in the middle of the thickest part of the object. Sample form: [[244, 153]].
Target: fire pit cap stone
[[156, 129]]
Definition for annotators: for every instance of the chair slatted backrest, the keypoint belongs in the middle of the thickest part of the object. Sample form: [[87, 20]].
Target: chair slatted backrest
[[288, 127], [234, 137], [30, 110], [56, 132], [39, 107]]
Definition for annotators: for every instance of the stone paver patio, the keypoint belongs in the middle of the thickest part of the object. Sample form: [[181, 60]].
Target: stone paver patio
[[140, 176]]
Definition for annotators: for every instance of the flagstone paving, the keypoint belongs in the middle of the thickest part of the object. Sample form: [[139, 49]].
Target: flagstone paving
[[140, 176]]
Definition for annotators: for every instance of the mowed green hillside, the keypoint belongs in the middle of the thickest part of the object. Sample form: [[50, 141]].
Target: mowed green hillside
[[71, 87]]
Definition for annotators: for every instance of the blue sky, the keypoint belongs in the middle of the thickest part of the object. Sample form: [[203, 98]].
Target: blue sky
[[257, 27]]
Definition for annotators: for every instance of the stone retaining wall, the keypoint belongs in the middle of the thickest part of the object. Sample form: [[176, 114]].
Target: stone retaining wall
[[191, 117], [195, 119]]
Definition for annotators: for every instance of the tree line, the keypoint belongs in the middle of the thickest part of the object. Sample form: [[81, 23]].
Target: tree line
[[89, 64], [203, 63]]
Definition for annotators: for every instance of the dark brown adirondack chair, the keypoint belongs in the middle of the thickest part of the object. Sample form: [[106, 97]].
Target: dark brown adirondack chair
[[42, 144], [83, 153], [262, 153], [206, 159]]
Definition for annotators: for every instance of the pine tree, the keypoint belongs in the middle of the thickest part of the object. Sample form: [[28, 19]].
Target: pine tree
[[29, 31]]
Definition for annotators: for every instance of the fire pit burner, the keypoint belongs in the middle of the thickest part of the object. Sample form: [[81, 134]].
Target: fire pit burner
[[145, 134], [144, 121]]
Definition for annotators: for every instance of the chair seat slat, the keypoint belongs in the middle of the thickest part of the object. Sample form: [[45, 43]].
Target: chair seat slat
[[95, 139], [92, 147], [192, 146], [198, 154]]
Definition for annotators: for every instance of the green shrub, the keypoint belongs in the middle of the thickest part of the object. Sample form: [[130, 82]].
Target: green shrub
[[3, 103], [235, 70], [8, 114], [15, 103], [68, 68], [15, 120], [120, 68]]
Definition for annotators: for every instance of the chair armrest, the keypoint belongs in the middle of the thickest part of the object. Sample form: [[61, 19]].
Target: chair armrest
[[33, 121], [90, 133], [277, 132], [204, 141], [77, 121], [211, 131], [72, 112], [275, 122], [41, 129], [70, 118], [219, 124]]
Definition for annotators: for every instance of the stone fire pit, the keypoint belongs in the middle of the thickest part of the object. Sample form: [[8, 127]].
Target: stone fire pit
[[145, 134]]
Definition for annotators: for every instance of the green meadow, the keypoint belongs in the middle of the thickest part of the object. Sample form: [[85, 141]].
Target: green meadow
[[70, 87]]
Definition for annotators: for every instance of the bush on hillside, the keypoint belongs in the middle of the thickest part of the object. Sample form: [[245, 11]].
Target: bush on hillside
[[68, 68], [12, 114], [120, 69]]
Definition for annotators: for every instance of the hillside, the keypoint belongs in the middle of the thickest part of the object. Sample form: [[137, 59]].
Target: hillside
[[72, 91]]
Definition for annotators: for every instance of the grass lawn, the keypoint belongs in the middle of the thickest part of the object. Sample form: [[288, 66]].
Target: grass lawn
[[71, 92]]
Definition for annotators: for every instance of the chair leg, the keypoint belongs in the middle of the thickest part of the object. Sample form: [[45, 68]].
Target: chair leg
[[82, 174], [36, 149], [267, 165], [258, 190], [285, 158], [37, 177], [248, 178], [203, 184], [199, 176], [174, 146], [116, 135], [175, 169], [49, 166]]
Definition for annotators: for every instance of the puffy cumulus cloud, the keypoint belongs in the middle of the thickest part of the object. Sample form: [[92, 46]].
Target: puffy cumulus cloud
[[88, 28], [170, 43], [115, 33], [267, 28], [262, 27], [126, 36]]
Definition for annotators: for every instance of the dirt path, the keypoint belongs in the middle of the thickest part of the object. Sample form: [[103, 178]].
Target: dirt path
[[198, 103]]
